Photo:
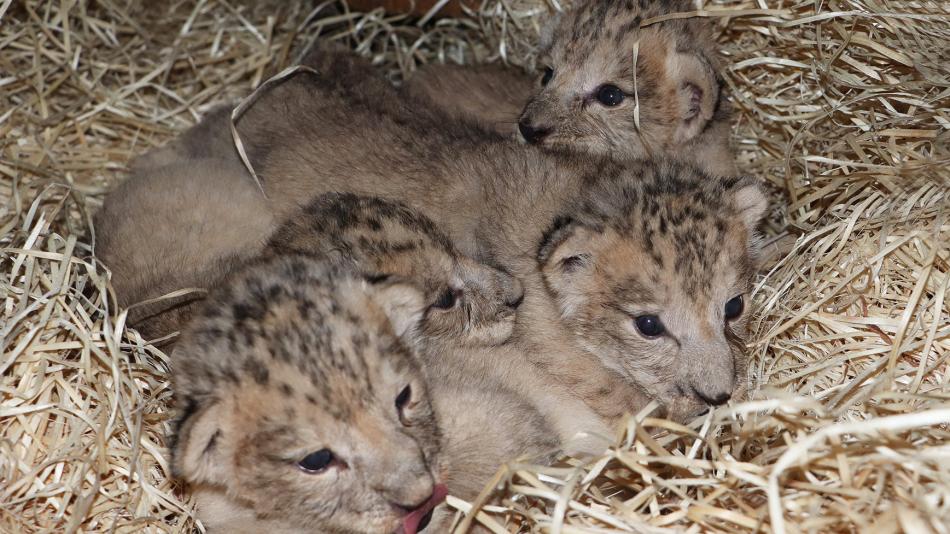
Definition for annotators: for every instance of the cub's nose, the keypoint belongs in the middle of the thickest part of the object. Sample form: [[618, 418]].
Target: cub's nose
[[713, 398], [532, 134], [416, 495]]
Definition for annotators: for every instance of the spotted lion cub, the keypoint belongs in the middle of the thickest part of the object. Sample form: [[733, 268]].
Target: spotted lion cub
[[196, 221], [637, 267], [609, 86], [304, 407], [596, 95], [469, 303]]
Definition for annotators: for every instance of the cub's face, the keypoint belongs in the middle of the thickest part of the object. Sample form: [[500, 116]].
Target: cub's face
[[654, 278], [302, 403], [466, 301], [609, 87]]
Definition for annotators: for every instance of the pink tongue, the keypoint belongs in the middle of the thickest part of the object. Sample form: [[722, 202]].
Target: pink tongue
[[411, 523]]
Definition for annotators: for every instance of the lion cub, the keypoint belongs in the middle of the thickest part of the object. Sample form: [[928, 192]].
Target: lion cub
[[608, 87], [469, 303], [304, 407], [198, 220], [641, 267]]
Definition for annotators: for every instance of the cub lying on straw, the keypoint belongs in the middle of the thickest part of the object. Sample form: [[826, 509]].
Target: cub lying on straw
[[638, 270], [608, 87], [641, 266], [163, 208], [386, 237], [471, 306], [188, 224], [305, 409]]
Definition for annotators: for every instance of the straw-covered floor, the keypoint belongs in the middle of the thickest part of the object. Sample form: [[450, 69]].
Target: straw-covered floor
[[842, 106]]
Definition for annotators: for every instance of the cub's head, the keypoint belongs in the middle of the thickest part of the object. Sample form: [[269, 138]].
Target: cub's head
[[468, 302], [596, 58], [652, 272], [302, 404]]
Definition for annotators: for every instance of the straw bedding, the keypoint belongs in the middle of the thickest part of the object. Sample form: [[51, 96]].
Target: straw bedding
[[842, 106]]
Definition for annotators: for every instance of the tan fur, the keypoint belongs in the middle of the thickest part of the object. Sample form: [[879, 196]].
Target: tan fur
[[146, 229], [499, 201], [189, 224], [468, 302], [492, 95], [293, 356], [207, 140], [683, 113], [700, 245]]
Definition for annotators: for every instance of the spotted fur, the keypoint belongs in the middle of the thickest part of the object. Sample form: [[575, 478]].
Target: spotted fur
[[295, 355], [185, 224], [674, 244], [674, 104], [313, 134], [290, 358], [498, 201], [389, 239]]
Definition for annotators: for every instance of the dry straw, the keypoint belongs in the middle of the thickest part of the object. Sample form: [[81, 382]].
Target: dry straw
[[843, 106]]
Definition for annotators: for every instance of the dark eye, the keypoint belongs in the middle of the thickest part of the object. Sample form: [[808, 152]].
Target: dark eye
[[547, 76], [403, 398], [649, 325], [447, 299], [610, 95], [734, 308], [316, 462]]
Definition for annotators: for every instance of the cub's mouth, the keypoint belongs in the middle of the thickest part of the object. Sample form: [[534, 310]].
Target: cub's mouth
[[418, 519]]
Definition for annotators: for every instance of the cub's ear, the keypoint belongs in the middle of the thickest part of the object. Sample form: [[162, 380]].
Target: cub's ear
[[697, 92], [402, 303], [564, 247], [750, 200], [548, 30], [197, 450], [566, 260]]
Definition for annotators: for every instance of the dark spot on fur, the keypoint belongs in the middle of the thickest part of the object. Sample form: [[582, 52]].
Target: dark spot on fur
[[258, 371], [243, 312], [230, 376]]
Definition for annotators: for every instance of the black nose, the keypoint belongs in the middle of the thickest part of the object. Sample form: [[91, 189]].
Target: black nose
[[532, 134], [714, 399]]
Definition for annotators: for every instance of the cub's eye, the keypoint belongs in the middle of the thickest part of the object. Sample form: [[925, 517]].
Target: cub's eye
[[734, 308], [649, 325], [316, 462], [447, 299], [403, 398], [610, 95], [547, 76]]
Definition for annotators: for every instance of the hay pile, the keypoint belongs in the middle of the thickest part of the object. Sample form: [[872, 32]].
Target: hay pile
[[843, 106]]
